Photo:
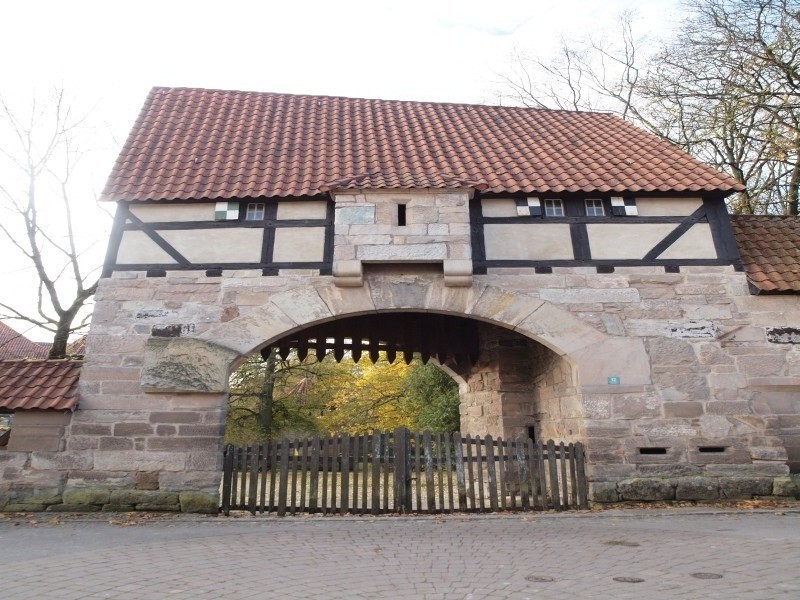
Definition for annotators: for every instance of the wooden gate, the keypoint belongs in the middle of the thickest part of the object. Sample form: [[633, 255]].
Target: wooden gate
[[403, 472]]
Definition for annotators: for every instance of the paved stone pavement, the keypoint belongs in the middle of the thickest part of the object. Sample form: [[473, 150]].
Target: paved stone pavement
[[673, 554]]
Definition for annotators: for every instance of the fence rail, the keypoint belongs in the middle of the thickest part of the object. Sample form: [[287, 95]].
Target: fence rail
[[403, 472]]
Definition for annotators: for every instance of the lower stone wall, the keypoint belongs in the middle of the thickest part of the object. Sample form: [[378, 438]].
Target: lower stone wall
[[696, 488]]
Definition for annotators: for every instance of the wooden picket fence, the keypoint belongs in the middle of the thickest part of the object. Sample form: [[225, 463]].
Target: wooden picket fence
[[403, 472]]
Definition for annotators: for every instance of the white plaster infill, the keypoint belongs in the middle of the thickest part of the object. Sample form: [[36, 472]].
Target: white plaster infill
[[173, 365]]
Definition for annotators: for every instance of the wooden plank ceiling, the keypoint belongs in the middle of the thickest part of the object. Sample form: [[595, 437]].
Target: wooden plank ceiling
[[397, 334]]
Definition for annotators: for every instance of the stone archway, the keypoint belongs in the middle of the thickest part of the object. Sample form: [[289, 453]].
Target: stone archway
[[203, 363]]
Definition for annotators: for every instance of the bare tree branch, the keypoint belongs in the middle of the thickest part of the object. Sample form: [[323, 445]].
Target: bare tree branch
[[36, 181]]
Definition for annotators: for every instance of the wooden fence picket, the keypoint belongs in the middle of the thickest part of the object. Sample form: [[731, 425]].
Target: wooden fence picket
[[381, 472]]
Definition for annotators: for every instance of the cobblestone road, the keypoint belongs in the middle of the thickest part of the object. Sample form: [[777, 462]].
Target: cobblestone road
[[671, 554]]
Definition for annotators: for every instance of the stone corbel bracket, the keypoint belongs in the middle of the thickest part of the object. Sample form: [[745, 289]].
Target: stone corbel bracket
[[458, 273], [348, 273]]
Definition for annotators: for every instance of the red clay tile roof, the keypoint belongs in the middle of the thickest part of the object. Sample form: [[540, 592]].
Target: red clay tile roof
[[770, 251], [42, 384], [209, 144], [15, 345], [77, 348]]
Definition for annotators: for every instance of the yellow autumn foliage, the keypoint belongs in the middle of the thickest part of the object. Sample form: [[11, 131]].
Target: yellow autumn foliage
[[372, 399]]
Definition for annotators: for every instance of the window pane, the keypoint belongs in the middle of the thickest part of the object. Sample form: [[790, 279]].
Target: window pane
[[553, 208], [594, 208], [255, 212]]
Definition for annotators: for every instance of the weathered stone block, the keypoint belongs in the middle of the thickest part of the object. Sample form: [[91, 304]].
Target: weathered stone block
[[86, 496], [302, 305], [768, 453], [137, 497], [636, 406], [132, 429], [697, 488], [115, 443], [78, 508], [159, 507], [22, 507], [670, 470], [118, 508], [684, 410], [202, 430], [761, 366], [744, 487], [182, 444], [147, 480], [363, 214], [590, 295], [603, 491], [90, 429], [406, 252], [185, 365], [62, 461], [762, 469], [139, 461], [786, 486], [199, 502], [176, 417], [646, 489]]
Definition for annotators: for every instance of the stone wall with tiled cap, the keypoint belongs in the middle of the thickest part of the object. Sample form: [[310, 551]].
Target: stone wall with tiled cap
[[676, 361]]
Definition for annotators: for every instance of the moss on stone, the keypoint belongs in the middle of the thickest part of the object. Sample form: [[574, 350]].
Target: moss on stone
[[118, 508], [159, 507], [86, 496], [136, 497], [79, 508], [21, 507], [199, 502]]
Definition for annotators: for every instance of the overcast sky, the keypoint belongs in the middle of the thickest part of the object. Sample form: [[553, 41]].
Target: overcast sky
[[108, 54]]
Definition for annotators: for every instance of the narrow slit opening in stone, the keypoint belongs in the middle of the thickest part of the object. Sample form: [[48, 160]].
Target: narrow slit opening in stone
[[652, 450]]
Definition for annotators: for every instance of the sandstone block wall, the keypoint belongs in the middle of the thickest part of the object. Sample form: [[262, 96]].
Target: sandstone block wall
[[638, 359]]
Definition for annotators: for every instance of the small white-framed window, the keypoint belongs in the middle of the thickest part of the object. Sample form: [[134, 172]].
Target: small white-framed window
[[594, 208], [553, 207], [255, 211]]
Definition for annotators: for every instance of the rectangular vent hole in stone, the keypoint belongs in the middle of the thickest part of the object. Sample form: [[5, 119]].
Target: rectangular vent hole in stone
[[711, 449], [652, 450], [401, 215]]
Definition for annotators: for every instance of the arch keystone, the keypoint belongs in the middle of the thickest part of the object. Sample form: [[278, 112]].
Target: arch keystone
[[398, 293]]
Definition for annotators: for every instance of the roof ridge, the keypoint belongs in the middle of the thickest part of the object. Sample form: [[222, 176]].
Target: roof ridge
[[388, 100]]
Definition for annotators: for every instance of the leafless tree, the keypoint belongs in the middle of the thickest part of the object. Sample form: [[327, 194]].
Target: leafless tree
[[598, 73], [728, 90], [725, 88], [38, 158]]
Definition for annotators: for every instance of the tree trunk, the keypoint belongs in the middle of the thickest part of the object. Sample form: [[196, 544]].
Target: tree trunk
[[265, 398], [61, 338]]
